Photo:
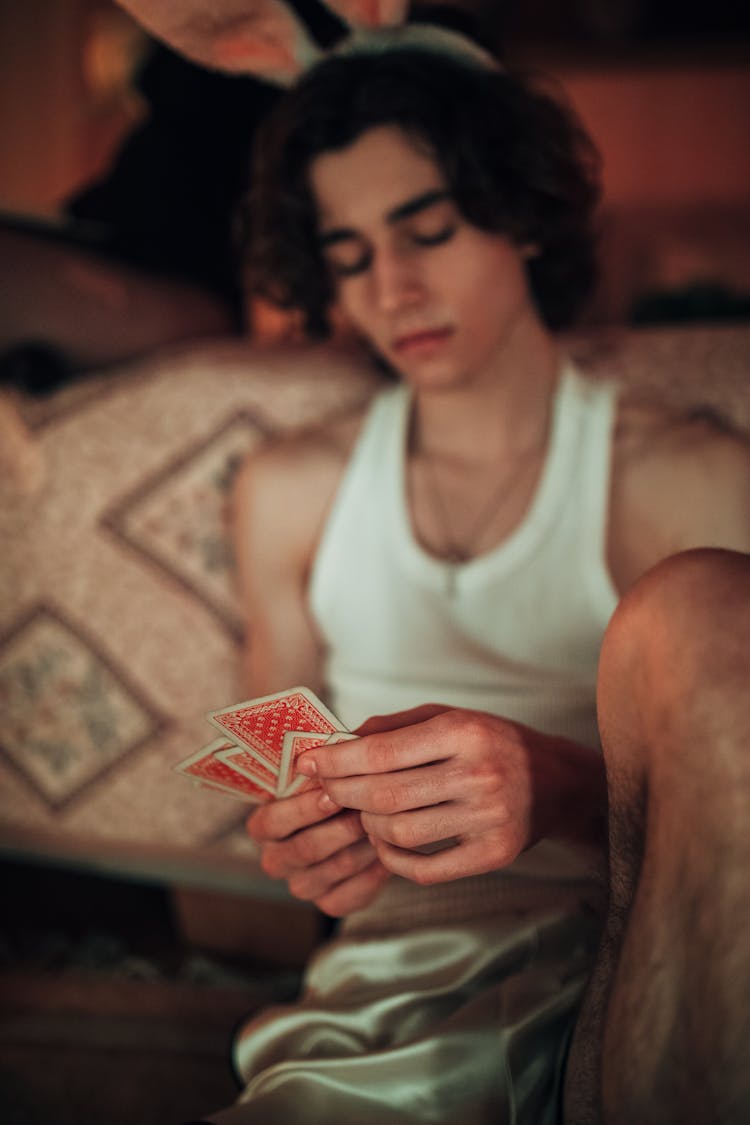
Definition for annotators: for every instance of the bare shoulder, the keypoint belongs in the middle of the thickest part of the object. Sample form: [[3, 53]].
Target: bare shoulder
[[651, 438], [317, 453], [285, 486], [678, 481]]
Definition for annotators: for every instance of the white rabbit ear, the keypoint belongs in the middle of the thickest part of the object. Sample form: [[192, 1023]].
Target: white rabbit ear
[[260, 37], [370, 13]]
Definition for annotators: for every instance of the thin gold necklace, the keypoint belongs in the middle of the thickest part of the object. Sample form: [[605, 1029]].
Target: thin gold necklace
[[457, 552]]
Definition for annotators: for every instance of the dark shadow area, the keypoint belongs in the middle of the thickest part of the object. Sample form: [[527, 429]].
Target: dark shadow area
[[105, 1015]]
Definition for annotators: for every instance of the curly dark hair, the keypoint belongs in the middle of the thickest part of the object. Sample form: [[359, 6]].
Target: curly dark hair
[[516, 161]]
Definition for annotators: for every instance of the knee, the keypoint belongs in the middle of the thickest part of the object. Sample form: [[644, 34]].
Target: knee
[[681, 634], [688, 609]]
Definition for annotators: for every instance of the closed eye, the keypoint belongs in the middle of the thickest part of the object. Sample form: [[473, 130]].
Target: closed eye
[[429, 219], [349, 258], [345, 253], [349, 268], [435, 222], [436, 238]]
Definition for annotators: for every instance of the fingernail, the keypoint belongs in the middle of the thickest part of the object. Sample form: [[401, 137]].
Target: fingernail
[[325, 803], [307, 765]]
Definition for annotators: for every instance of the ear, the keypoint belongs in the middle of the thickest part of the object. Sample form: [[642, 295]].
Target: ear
[[261, 37], [370, 13]]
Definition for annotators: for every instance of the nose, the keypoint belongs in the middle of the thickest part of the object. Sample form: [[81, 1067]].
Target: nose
[[397, 279]]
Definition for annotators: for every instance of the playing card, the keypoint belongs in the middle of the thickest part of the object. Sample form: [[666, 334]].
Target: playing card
[[295, 743], [250, 764], [207, 769], [260, 724], [255, 757]]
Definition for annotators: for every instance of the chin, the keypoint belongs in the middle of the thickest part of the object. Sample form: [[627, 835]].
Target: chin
[[434, 371], [440, 377]]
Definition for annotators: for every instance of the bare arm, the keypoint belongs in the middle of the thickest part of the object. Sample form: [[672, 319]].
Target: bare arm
[[274, 535], [677, 484], [280, 500], [263, 37]]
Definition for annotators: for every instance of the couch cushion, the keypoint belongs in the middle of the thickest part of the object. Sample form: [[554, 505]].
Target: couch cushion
[[119, 621]]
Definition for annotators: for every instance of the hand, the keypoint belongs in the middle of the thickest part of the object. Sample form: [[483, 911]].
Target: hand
[[324, 855], [491, 787]]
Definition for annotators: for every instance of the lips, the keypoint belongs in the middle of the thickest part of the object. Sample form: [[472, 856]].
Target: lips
[[425, 340]]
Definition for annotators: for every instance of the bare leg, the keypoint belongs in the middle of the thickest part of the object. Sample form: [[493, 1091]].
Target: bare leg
[[664, 1035]]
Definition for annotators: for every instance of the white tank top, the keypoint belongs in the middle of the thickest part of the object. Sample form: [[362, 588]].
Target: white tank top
[[520, 634]]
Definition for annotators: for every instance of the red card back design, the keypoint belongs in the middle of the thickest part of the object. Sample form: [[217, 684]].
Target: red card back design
[[205, 766], [261, 724]]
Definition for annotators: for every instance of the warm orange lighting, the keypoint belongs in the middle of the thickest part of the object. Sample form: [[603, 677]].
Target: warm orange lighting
[[112, 50]]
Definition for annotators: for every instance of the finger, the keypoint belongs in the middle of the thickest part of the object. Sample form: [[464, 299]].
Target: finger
[[379, 753], [312, 882], [311, 845], [446, 821], [355, 893], [458, 862], [279, 819], [415, 829], [377, 724], [397, 792]]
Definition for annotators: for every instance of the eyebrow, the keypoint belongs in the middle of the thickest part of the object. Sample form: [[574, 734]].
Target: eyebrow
[[404, 211]]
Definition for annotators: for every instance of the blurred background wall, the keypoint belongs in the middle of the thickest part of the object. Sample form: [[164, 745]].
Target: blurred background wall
[[66, 99], [664, 88]]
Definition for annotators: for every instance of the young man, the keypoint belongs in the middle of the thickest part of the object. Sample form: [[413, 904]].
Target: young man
[[464, 545]]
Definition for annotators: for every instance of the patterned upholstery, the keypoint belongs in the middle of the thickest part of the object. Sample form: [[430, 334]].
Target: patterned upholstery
[[119, 623]]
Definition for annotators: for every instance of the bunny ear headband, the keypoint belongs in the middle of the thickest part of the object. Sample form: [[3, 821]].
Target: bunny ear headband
[[267, 39]]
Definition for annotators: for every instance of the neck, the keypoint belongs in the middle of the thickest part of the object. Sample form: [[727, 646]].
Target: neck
[[501, 415]]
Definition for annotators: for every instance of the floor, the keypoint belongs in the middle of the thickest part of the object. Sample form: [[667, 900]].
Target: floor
[[105, 1015]]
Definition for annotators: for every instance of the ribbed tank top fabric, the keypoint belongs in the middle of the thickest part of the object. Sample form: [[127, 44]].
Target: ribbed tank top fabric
[[521, 634], [519, 637]]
